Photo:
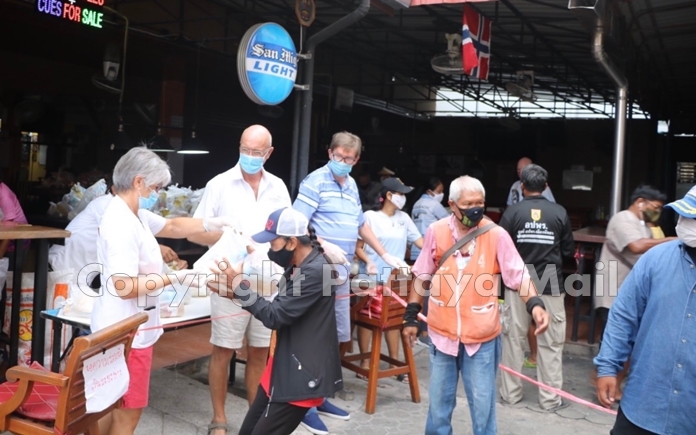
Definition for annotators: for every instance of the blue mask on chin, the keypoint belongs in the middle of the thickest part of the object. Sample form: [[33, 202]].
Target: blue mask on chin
[[149, 202], [250, 165], [340, 169]]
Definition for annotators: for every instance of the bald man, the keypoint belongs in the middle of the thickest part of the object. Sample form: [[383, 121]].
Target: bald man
[[515, 195], [249, 194]]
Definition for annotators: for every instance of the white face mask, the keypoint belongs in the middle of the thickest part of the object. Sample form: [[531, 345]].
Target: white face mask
[[398, 200], [686, 231], [438, 197]]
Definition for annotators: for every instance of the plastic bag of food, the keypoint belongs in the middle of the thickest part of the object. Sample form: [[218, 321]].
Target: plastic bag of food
[[80, 302], [195, 199], [95, 190], [232, 246], [264, 274], [170, 304], [73, 198]]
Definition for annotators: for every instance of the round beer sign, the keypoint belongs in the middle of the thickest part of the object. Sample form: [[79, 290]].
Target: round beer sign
[[267, 64]]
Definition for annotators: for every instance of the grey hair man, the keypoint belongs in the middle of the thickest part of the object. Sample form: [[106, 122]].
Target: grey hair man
[[329, 198], [463, 317]]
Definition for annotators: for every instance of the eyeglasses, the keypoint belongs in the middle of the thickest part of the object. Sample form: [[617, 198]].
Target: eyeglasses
[[253, 153], [339, 158]]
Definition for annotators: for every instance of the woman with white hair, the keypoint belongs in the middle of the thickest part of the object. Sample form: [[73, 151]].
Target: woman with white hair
[[133, 272]]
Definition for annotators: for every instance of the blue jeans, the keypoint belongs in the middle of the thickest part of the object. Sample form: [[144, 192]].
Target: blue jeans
[[478, 374]]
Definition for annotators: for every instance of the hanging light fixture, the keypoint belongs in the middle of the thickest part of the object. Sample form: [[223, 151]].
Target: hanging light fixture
[[120, 140], [193, 145], [159, 143]]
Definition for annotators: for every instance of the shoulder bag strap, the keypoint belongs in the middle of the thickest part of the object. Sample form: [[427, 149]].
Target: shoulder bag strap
[[464, 240]]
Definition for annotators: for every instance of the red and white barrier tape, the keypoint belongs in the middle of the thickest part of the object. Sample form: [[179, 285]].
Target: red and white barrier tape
[[561, 393], [396, 297]]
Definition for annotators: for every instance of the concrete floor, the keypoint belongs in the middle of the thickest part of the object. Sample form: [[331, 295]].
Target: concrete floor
[[180, 404]]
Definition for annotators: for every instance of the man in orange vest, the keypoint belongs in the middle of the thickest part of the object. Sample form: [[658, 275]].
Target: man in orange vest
[[464, 257]]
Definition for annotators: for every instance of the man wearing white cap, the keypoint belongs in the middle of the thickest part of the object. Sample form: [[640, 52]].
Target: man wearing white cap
[[304, 364], [652, 323]]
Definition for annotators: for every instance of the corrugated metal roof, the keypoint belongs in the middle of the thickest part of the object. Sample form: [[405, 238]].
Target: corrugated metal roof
[[656, 47]]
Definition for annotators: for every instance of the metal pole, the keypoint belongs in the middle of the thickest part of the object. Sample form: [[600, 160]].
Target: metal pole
[[305, 121], [294, 160], [619, 149], [619, 117]]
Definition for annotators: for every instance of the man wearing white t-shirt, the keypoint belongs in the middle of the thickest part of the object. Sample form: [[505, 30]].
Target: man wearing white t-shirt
[[249, 194]]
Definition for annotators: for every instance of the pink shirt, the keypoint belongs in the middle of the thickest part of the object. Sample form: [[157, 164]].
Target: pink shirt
[[10, 206], [11, 210], [512, 271]]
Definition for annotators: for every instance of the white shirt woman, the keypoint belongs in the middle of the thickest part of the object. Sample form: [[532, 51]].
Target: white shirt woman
[[395, 230], [132, 270]]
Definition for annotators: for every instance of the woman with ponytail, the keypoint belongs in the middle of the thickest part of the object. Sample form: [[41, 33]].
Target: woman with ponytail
[[304, 365], [395, 230]]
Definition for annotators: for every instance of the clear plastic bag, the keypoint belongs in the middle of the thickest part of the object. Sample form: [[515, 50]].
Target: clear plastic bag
[[232, 246], [95, 190], [262, 272], [80, 302]]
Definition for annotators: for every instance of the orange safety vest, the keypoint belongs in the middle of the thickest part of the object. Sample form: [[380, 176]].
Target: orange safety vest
[[464, 304]]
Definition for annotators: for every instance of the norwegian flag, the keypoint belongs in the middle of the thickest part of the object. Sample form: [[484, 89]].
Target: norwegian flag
[[476, 44]]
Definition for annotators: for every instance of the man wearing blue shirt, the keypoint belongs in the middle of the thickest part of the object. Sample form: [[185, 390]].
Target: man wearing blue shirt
[[653, 322], [329, 198]]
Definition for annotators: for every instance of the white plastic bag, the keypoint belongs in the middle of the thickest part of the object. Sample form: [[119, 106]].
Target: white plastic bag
[[231, 246], [26, 312], [95, 190], [55, 297], [80, 302], [262, 273]]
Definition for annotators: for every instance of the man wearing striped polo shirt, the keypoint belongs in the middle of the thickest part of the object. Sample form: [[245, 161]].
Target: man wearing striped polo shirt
[[329, 198]]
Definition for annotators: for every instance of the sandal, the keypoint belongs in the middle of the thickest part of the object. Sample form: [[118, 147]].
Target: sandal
[[217, 425], [362, 377], [529, 364], [403, 378]]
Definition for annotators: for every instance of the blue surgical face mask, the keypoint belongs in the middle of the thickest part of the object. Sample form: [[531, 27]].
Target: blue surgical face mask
[[340, 169], [149, 202], [250, 165]]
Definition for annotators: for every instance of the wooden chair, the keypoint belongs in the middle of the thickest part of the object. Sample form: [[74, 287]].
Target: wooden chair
[[68, 388], [391, 318]]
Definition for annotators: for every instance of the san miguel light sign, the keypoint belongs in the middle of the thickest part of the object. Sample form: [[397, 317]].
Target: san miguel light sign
[[87, 12], [267, 64]]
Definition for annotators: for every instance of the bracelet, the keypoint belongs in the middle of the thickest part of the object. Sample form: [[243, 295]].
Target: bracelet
[[534, 302], [411, 314]]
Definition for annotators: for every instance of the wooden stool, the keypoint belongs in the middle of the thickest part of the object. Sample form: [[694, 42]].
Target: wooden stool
[[391, 318]]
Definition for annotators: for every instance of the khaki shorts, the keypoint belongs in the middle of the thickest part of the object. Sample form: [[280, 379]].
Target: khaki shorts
[[229, 331]]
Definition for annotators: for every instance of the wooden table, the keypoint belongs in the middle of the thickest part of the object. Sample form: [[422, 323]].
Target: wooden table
[[198, 308], [18, 232], [587, 238], [590, 235]]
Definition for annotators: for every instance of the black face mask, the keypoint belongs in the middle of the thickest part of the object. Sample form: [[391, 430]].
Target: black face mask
[[281, 257], [471, 216]]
